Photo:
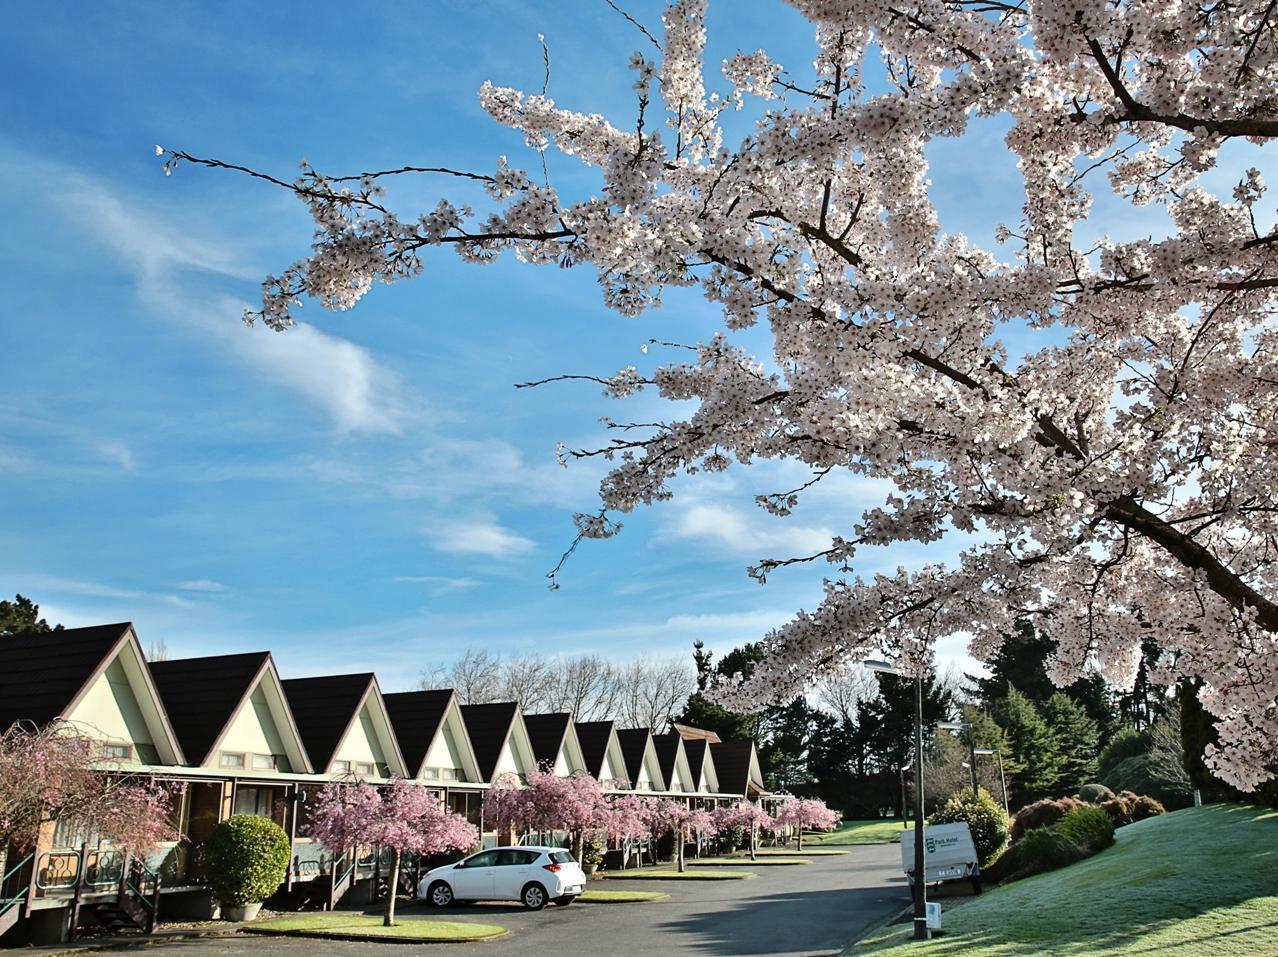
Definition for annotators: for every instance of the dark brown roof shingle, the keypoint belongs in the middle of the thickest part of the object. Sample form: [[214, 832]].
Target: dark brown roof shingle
[[416, 717], [323, 709], [634, 745], [547, 732], [593, 737], [201, 695], [41, 672], [488, 726]]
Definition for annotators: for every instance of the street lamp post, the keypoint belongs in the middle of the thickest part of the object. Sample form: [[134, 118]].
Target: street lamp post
[[1002, 780], [971, 746], [921, 931]]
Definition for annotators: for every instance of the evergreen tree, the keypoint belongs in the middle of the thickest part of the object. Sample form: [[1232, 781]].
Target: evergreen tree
[[22, 615], [1077, 740], [888, 721], [1033, 746]]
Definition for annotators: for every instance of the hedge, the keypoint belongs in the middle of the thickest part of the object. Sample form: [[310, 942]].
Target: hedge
[[246, 858]]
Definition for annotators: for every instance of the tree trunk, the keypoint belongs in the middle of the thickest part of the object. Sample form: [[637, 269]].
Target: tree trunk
[[679, 849], [799, 828], [579, 845], [754, 842], [389, 919]]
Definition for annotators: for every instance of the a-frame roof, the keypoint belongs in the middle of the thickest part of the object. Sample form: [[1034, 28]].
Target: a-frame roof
[[594, 737], [204, 695], [689, 733], [417, 716], [325, 708], [737, 765], [701, 763], [673, 760], [546, 732], [41, 673], [44, 675], [489, 727], [637, 749]]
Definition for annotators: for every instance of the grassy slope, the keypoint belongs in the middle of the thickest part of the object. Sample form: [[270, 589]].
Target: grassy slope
[[878, 831], [1198, 881]]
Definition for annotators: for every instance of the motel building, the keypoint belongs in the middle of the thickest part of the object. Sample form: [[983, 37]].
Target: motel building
[[242, 739]]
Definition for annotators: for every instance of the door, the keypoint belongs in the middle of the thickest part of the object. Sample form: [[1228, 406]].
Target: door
[[472, 879], [514, 870]]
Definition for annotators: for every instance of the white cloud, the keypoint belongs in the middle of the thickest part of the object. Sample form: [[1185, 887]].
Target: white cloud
[[204, 585], [343, 379], [439, 584], [116, 452], [479, 536], [741, 534]]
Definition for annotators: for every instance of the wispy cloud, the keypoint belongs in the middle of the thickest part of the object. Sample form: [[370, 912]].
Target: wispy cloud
[[203, 585], [439, 584], [479, 536], [118, 453], [736, 532]]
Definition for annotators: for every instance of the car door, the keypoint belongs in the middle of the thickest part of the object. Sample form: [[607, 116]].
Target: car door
[[508, 879], [473, 878]]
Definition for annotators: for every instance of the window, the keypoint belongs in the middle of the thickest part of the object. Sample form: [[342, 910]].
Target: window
[[259, 801], [121, 752], [264, 762], [232, 759], [341, 767], [364, 767], [451, 774], [562, 857], [483, 859], [432, 774]]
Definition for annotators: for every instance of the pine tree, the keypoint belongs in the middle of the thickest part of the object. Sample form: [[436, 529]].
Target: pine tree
[[1077, 739], [1033, 746], [22, 615]]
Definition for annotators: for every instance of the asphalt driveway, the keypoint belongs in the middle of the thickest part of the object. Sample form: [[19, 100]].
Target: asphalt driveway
[[818, 908]]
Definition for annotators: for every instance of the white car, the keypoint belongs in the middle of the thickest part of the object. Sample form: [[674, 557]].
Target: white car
[[531, 875]]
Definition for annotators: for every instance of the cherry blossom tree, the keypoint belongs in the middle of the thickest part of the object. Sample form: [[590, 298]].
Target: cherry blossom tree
[[750, 817], [675, 818], [549, 802], [401, 816], [806, 814], [629, 821], [1092, 415], [54, 774]]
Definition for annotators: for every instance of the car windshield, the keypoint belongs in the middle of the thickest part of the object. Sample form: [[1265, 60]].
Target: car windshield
[[561, 857]]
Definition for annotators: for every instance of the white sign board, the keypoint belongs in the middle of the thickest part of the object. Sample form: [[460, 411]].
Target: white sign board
[[948, 852]]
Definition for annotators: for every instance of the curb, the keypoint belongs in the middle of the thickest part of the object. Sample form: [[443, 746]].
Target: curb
[[370, 938], [647, 900], [119, 943]]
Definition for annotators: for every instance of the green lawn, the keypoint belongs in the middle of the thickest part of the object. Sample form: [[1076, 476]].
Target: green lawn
[[354, 924], [622, 897], [670, 874], [877, 831], [807, 851], [770, 860], [1194, 882]]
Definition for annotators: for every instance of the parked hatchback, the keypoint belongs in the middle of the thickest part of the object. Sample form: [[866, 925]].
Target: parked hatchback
[[531, 875]]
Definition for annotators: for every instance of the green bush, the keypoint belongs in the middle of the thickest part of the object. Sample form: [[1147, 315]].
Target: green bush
[[1088, 827], [1044, 813], [592, 851], [246, 858], [1127, 743], [1095, 793], [1044, 849], [1147, 774], [985, 818]]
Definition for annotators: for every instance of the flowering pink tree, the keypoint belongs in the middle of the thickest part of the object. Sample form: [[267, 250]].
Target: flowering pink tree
[[676, 819], [403, 817], [54, 774], [1093, 415], [806, 814], [628, 821], [548, 802], [751, 818]]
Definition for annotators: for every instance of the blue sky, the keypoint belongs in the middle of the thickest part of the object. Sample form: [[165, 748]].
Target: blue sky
[[367, 490]]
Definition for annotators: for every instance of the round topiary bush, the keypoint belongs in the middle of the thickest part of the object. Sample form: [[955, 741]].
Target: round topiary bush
[[246, 858], [985, 818], [1042, 813], [1088, 827], [1095, 793]]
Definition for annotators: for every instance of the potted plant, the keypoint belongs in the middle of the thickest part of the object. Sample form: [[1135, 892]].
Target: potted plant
[[246, 858], [592, 855]]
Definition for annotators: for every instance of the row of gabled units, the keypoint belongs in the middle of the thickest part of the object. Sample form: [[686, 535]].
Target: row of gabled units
[[241, 739]]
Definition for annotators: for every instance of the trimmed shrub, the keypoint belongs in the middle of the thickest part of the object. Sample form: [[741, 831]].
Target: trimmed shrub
[[1095, 793], [1044, 849], [1088, 827], [1042, 813], [1143, 806], [984, 816], [1119, 811], [246, 858]]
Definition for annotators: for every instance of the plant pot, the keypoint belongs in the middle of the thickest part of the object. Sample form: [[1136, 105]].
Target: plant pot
[[589, 868], [243, 912]]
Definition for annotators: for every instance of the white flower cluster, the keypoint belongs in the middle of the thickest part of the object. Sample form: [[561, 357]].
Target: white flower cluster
[[1118, 473]]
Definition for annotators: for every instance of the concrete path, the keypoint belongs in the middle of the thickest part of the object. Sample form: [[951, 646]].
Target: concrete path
[[818, 908]]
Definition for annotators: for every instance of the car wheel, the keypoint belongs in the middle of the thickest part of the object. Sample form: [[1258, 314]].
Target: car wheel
[[440, 894], [534, 896], [565, 900]]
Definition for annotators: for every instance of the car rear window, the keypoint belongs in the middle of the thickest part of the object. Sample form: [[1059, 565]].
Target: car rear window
[[562, 857]]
